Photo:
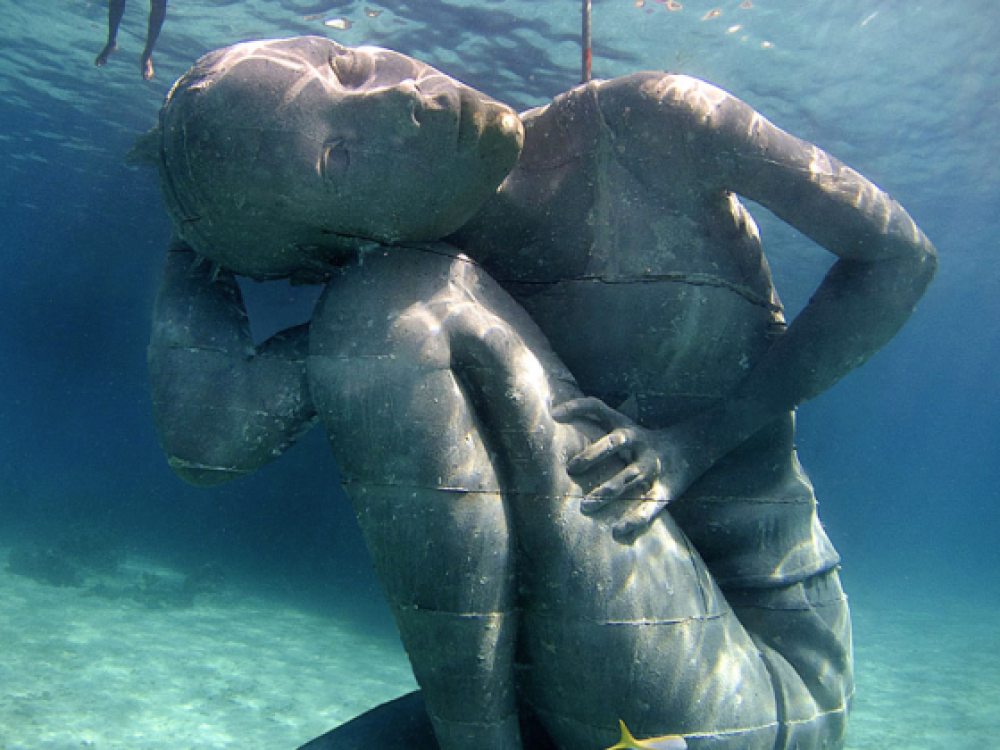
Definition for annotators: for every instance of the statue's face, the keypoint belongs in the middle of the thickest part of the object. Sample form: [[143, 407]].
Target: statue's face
[[281, 156]]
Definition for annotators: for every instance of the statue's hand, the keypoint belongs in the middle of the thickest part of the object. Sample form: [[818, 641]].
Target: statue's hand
[[661, 465]]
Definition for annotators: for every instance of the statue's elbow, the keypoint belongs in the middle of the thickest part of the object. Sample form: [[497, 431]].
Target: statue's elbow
[[923, 267], [930, 263], [201, 450], [201, 475]]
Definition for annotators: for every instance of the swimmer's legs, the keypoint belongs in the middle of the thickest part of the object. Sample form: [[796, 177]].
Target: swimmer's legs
[[157, 12], [116, 8]]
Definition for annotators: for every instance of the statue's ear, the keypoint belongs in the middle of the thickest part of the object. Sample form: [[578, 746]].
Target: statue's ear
[[145, 152]]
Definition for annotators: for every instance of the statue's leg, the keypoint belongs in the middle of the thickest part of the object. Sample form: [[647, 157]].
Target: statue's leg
[[413, 460], [753, 518], [804, 635]]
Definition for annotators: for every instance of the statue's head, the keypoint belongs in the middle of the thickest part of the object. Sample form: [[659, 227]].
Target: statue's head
[[279, 157]]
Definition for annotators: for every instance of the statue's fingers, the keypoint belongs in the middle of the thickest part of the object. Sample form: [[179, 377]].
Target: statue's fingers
[[613, 489], [587, 407], [638, 519], [611, 444], [593, 503]]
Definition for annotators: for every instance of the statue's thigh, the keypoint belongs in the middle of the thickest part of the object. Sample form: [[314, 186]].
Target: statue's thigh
[[646, 625]]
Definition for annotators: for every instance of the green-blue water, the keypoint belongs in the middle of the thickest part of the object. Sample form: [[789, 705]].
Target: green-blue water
[[903, 452]]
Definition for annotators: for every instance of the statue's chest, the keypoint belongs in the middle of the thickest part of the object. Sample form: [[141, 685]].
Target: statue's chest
[[672, 345]]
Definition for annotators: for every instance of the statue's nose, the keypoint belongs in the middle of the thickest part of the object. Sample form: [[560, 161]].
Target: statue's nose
[[439, 109], [394, 115], [433, 97], [440, 91]]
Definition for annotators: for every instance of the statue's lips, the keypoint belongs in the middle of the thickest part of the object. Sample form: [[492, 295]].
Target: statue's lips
[[484, 123]]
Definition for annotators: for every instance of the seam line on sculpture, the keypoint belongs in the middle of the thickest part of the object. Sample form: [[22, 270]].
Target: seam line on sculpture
[[181, 463], [351, 357], [677, 278], [821, 714], [515, 492], [664, 621], [501, 720], [199, 349], [265, 413], [247, 355], [492, 491], [445, 488], [448, 613], [733, 732], [759, 500], [810, 607], [706, 735]]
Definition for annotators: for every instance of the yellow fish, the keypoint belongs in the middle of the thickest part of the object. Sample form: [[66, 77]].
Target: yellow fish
[[666, 742]]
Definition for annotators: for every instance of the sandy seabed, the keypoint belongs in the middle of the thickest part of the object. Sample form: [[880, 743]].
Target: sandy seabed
[[233, 669], [239, 669]]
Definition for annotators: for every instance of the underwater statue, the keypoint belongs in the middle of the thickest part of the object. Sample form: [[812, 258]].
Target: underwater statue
[[555, 375]]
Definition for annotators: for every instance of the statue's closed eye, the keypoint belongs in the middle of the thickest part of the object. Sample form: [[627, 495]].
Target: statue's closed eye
[[335, 160], [351, 69]]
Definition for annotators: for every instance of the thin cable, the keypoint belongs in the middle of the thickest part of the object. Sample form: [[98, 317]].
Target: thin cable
[[586, 42]]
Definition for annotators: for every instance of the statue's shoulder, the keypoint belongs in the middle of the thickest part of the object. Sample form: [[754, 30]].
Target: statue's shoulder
[[648, 122], [682, 100], [566, 129], [642, 94]]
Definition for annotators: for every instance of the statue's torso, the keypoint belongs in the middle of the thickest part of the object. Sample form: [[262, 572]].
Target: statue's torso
[[656, 296], [655, 292]]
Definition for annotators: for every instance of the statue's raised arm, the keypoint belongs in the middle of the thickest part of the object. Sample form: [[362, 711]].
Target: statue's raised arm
[[223, 408], [886, 262]]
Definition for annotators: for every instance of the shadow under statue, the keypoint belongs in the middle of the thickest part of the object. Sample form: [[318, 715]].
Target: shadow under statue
[[555, 375]]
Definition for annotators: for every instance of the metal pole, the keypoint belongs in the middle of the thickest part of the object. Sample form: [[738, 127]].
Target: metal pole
[[586, 41]]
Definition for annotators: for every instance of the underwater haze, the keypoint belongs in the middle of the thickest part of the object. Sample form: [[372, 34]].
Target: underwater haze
[[159, 615]]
